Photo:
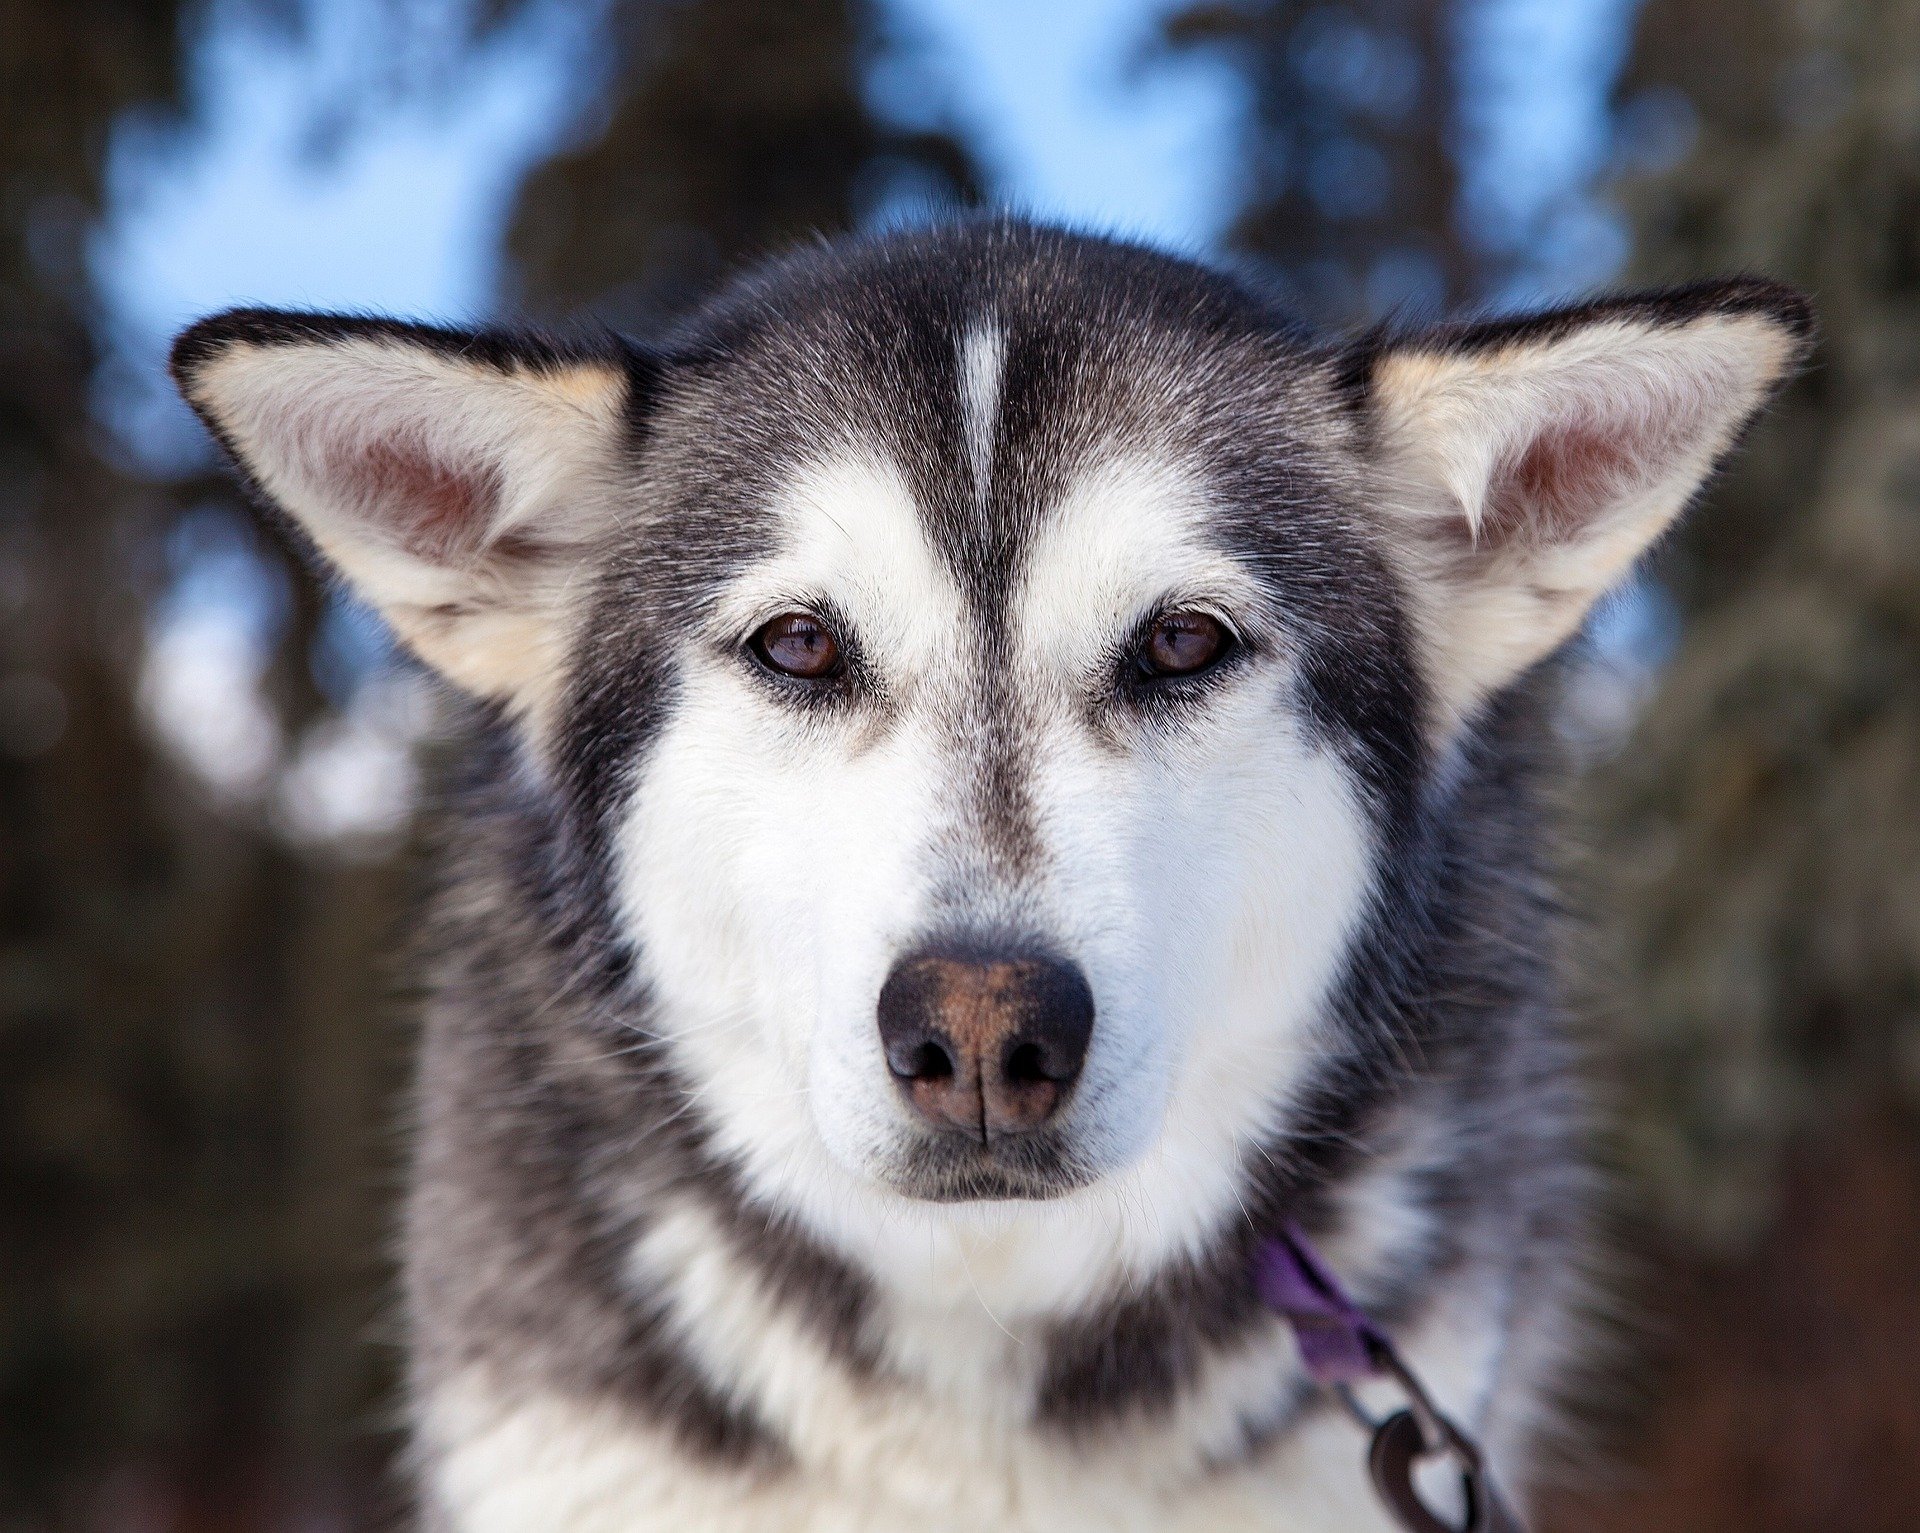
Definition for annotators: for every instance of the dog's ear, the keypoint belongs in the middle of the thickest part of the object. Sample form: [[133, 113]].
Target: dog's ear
[[458, 481], [1528, 463]]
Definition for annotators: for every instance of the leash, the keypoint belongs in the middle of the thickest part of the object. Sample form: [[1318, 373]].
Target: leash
[[1340, 1346]]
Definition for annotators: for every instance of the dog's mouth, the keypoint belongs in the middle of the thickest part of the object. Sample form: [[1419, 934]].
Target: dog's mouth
[[956, 1169]]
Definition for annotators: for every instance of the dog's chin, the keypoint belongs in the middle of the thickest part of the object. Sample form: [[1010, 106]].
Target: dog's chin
[[950, 1169]]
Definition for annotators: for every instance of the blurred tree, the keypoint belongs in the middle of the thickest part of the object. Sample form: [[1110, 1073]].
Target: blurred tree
[[186, 1220], [1350, 159], [1763, 825], [1759, 833], [734, 127]]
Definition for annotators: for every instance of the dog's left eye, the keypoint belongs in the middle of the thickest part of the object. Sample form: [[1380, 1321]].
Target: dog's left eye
[[797, 644], [1181, 643]]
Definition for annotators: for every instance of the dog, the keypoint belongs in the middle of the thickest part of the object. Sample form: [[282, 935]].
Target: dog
[[998, 772]]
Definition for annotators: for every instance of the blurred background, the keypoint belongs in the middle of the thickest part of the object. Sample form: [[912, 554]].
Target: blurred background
[[208, 766]]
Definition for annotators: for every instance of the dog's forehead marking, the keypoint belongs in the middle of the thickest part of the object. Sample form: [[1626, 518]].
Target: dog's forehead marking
[[983, 356]]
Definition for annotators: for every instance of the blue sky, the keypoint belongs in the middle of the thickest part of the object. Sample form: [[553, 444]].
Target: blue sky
[[1047, 92], [407, 213]]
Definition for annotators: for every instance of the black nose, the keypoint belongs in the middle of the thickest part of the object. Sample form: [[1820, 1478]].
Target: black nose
[[986, 1046]]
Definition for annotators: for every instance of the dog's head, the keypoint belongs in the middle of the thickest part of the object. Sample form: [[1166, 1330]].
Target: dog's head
[[994, 666]]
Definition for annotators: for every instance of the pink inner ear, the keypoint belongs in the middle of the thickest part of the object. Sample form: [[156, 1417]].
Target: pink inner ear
[[1562, 481], [438, 512]]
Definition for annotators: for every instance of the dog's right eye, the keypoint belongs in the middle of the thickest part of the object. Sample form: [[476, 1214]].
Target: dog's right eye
[[1182, 644], [797, 644]]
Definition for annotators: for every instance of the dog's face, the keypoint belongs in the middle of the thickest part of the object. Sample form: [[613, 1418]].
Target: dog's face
[[984, 854], [994, 670]]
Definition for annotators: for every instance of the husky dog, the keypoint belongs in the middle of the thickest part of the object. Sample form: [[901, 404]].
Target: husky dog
[[1000, 771]]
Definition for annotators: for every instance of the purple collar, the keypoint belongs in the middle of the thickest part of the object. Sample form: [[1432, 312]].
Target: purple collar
[[1338, 1343], [1339, 1347]]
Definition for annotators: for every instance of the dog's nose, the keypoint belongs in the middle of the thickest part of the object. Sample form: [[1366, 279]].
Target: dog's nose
[[986, 1046]]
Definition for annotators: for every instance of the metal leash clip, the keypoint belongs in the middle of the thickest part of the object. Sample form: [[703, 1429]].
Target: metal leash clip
[[1339, 1345]]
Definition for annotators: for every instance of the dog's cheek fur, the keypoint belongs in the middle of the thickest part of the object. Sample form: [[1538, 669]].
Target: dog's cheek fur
[[769, 873], [1208, 865], [1252, 857]]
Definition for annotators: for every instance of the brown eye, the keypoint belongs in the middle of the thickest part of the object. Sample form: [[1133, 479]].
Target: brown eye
[[1181, 643], [797, 644]]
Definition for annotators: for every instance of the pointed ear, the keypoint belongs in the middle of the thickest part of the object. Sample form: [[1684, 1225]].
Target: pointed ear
[[1529, 463], [458, 481]]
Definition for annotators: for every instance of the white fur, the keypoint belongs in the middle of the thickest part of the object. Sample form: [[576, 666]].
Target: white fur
[[776, 869], [983, 358], [939, 1440], [939, 1444], [875, 1456], [534, 1462]]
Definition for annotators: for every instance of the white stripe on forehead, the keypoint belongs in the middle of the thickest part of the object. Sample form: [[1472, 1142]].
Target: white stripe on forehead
[[983, 355], [1128, 534]]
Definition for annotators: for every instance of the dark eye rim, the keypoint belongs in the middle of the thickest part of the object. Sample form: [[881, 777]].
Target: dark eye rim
[[1144, 675], [753, 647]]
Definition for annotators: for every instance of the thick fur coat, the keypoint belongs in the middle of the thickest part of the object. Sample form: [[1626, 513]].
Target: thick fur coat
[[686, 1245]]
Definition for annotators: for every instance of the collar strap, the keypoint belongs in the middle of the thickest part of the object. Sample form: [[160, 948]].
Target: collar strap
[[1340, 1346], [1338, 1343]]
